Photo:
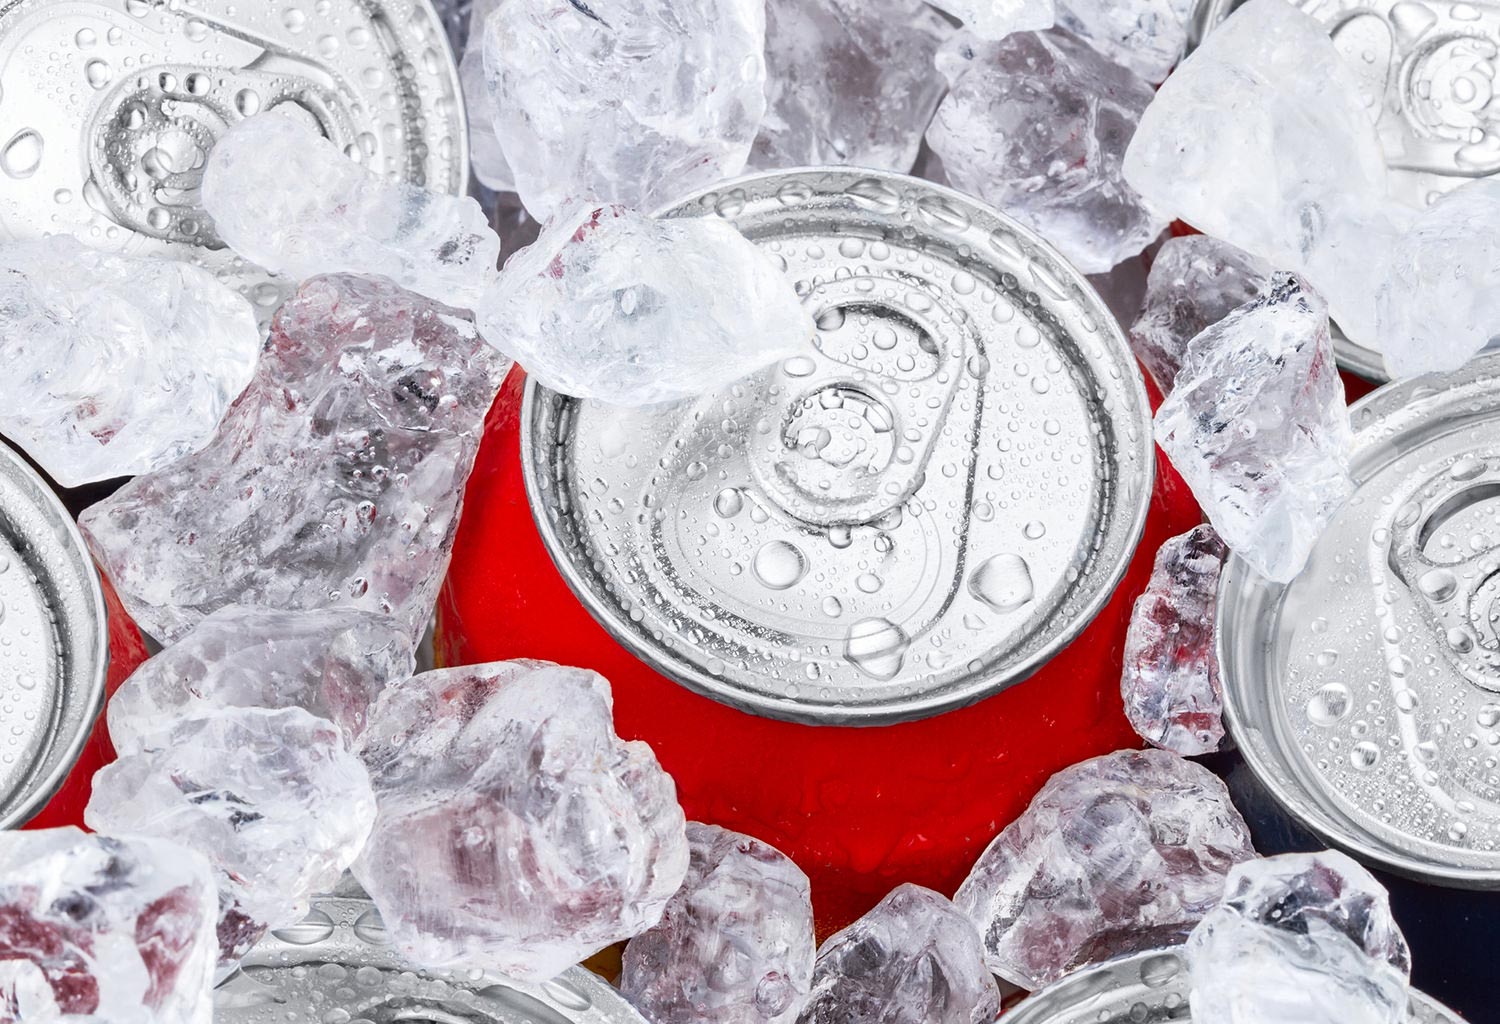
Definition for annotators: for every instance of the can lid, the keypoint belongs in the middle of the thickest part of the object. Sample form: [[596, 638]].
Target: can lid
[[1149, 987], [54, 647], [1365, 694], [111, 108], [910, 518], [339, 958]]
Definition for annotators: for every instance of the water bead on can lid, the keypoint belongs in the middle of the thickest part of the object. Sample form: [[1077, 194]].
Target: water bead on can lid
[[109, 110], [912, 517], [1365, 694]]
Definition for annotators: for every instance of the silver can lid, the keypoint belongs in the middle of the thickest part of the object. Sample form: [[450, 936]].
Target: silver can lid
[[1149, 987], [111, 107], [913, 517], [54, 643], [1427, 76], [338, 964], [1365, 694]]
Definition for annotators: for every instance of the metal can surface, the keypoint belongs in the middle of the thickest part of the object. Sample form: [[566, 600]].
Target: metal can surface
[[1426, 68], [337, 964], [54, 647], [1365, 694], [929, 508], [1150, 987], [112, 107]]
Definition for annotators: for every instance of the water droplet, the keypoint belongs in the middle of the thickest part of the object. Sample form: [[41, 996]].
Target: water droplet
[[22, 155], [868, 582], [1461, 641], [840, 536], [97, 73], [729, 502], [779, 565], [1438, 584], [832, 607], [294, 20], [1328, 705], [371, 928], [831, 319], [247, 102], [315, 927], [1003, 582], [1035, 530], [1156, 971], [876, 647], [799, 366], [1364, 755]]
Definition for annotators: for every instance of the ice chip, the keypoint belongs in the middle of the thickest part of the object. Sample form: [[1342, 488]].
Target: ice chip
[[515, 828], [1257, 426], [1113, 854], [286, 198], [1439, 303], [274, 799], [335, 479], [1170, 682], [332, 662], [95, 930], [1146, 36], [735, 945], [628, 101], [848, 82], [116, 365], [913, 959], [1195, 282], [1305, 937], [1037, 125], [630, 310], [996, 19]]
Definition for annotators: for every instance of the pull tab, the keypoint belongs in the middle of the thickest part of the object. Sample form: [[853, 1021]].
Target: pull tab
[[1459, 597], [150, 136], [866, 408]]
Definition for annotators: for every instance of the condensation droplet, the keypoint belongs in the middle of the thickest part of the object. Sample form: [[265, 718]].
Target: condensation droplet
[[1003, 582]]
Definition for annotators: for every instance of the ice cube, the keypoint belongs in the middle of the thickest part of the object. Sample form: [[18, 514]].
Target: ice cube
[[630, 310], [286, 198], [1305, 937], [1257, 426], [515, 828], [735, 945], [335, 480], [996, 19], [1146, 36], [115, 365], [1115, 854], [1037, 124]]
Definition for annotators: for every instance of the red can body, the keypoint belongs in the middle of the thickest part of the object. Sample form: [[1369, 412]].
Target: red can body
[[859, 809]]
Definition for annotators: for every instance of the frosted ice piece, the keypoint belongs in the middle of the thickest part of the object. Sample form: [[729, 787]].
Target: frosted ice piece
[[272, 798], [913, 959], [628, 101], [335, 480], [1304, 937], [113, 931], [115, 365], [630, 310], [996, 19], [1195, 282], [735, 945], [1118, 853], [1146, 36], [286, 198], [332, 662], [515, 828], [1170, 682], [1037, 124], [848, 82], [1257, 426]]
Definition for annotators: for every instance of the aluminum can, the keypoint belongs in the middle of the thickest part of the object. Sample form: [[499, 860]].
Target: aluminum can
[[930, 508], [110, 110], [1426, 68], [1150, 987], [338, 964], [55, 645], [1365, 694]]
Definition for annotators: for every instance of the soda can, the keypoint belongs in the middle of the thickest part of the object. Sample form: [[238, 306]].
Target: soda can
[[1427, 77], [54, 645], [338, 964], [937, 503], [112, 106], [1365, 694], [1149, 987]]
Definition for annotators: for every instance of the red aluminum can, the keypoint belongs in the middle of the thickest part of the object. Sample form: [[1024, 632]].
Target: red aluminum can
[[680, 551]]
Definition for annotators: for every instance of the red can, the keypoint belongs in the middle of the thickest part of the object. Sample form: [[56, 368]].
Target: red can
[[861, 605]]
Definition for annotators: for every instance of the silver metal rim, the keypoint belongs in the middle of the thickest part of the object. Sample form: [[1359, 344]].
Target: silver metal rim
[[914, 708], [461, 111]]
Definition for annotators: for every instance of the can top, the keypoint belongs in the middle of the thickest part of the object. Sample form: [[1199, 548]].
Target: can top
[[1365, 694], [54, 647], [111, 108], [339, 958], [1149, 987], [914, 516]]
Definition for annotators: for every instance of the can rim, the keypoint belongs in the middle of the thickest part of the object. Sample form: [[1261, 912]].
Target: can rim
[[917, 706], [461, 109], [38, 795], [1238, 584]]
